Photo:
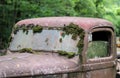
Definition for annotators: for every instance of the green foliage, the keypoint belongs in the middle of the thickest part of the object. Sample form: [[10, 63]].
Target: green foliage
[[57, 8], [118, 11], [6, 21], [112, 13], [3, 53], [85, 8], [15, 10]]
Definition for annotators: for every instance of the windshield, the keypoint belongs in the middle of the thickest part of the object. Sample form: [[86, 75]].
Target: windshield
[[47, 40]]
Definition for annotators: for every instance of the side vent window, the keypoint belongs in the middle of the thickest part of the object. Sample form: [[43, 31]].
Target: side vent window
[[99, 46]]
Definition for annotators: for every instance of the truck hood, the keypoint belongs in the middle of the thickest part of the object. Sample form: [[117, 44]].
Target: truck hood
[[26, 64]]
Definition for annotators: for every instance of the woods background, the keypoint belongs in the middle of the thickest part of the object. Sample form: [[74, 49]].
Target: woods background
[[12, 11]]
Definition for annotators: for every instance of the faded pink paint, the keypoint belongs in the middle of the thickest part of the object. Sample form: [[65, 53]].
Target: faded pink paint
[[25, 64], [85, 23]]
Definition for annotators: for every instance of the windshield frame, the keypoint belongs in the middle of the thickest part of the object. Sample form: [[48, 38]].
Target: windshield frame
[[45, 28]]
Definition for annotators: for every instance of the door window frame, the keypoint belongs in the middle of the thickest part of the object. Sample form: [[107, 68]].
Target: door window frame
[[111, 57]]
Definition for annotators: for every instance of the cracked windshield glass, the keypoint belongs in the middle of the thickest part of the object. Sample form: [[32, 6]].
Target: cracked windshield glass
[[46, 40]]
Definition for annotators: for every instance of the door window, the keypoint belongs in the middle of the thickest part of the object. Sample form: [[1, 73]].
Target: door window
[[99, 46]]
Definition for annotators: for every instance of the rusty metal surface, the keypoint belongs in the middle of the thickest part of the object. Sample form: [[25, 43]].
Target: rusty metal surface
[[85, 23], [26, 64], [112, 55], [102, 73], [98, 66], [104, 67]]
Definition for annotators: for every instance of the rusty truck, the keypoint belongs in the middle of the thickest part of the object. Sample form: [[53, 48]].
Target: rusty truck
[[60, 47]]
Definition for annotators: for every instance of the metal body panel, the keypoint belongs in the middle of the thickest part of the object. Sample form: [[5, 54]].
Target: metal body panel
[[101, 73], [51, 63], [103, 67], [25, 64], [82, 22]]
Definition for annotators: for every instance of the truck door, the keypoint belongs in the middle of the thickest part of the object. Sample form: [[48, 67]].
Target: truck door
[[100, 55]]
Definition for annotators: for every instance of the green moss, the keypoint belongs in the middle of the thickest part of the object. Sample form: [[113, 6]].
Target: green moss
[[72, 29], [22, 27], [16, 29], [60, 40], [27, 32], [76, 31], [30, 26], [26, 28], [74, 36], [62, 52], [28, 50], [67, 54], [81, 36], [37, 29], [80, 44], [70, 54]]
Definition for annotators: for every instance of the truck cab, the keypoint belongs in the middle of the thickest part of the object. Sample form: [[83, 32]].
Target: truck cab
[[60, 47]]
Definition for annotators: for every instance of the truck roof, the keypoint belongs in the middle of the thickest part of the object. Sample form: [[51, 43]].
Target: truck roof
[[82, 22]]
